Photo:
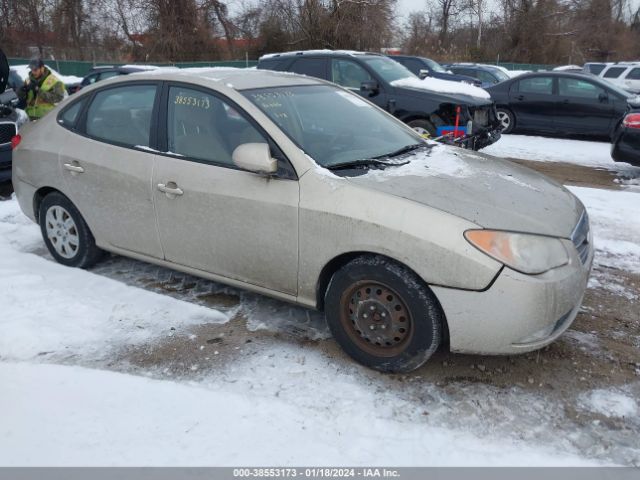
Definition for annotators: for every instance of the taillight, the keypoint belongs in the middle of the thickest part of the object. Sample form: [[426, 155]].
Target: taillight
[[15, 141], [632, 120]]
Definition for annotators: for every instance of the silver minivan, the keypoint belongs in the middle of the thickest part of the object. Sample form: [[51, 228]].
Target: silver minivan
[[298, 189]]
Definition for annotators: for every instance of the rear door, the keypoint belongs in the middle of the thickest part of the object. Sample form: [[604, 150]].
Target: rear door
[[213, 216], [533, 102], [632, 80], [107, 164], [583, 107]]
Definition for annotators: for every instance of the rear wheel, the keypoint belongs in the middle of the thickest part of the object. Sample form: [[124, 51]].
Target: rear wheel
[[423, 127], [507, 120], [66, 234], [383, 315]]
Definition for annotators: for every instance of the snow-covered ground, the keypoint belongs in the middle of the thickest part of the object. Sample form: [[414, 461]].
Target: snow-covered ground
[[286, 403]]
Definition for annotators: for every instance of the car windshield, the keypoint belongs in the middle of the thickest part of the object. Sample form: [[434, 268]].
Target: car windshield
[[435, 66], [499, 74], [331, 125], [388, 69]]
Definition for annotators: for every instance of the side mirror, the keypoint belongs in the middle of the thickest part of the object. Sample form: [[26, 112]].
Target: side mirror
[[603, 97], [255, 157], [422, 74], [370, 87]]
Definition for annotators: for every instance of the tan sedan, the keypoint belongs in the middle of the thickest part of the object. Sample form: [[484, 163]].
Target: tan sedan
[[295, 188]]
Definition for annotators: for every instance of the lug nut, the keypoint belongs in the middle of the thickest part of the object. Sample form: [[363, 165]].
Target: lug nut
[[372, 308], [364, 315], [372, 327], [383, 327], [384, 314]]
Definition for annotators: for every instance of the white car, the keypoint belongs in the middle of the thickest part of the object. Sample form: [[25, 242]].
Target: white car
[[625, 75]]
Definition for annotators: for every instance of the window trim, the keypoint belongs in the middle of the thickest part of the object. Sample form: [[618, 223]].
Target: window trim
[[81, 123], [285, 167]]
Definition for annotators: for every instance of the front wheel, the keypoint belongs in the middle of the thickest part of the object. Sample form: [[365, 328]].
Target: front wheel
[[507, 120], [423, 127], [383, 315]]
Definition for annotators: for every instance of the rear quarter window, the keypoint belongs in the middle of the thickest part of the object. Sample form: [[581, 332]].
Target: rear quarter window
[[634, 74], [614, 72]]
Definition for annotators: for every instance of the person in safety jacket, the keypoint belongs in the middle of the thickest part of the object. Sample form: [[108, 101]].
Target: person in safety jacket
[[41, 91]]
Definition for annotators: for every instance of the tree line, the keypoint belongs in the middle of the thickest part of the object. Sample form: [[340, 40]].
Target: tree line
[[529, 31]]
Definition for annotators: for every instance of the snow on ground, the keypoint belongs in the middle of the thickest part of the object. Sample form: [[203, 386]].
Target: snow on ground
[[616, 226], [285, 404], [541, 149], [90, 417]]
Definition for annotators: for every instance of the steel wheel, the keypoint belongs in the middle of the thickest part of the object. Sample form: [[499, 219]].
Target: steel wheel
[[62, 231], [376, 318]]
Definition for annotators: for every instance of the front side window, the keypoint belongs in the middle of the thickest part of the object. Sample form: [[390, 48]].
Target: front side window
[[203, 127], [614, 72], [538, 85], [89, 80], [571, 87], [349, 74], [122, 115], [486, 77], [326, 123]]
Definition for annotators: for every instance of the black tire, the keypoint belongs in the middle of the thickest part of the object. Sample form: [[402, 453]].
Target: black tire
[[422, 125], [509, 117], [395, 290], [86, 254]]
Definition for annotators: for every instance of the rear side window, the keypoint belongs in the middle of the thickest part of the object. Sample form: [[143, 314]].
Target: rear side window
[[539, 85], [122, 115], [313, 67], [571, 87], [614, 72], [202, 127], [634, 74], [105, 75]]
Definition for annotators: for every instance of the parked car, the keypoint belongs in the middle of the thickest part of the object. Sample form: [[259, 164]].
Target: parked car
[[595, 68], [97, 74], [626, 140], [392, 87], [487, 74], [321, 199], [624, 75], [559, 103], [425, 67], [11, 119]]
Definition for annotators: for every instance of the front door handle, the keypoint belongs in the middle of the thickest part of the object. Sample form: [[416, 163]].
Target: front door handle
[[74, 168], [520, 97], [171, 189]]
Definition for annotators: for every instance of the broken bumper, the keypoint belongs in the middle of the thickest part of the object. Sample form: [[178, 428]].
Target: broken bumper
[[517, 313]]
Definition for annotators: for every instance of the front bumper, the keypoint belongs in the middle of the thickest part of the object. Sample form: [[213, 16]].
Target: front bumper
[[517, 313]]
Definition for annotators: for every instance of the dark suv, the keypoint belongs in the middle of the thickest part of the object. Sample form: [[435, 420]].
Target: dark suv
[[470, 119], [425, 67]]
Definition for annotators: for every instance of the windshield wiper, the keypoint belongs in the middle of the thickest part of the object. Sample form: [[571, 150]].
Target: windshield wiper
[[403, 150], [368, 162]]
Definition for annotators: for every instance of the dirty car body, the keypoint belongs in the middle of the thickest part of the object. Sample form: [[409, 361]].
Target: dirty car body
[[293, 200]]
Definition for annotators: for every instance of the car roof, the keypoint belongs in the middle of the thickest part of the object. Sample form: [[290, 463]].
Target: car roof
[[348, 53], [236, 78]]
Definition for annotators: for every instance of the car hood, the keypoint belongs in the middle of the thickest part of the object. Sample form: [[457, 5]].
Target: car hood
[[4, 71], [490, 192], [441, 97]]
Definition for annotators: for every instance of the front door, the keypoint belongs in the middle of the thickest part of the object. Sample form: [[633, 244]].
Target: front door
[[107, 170], [583, 108], [213, 216], [349, 74]]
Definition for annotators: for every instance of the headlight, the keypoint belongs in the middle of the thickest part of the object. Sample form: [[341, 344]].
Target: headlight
[[531, 254]]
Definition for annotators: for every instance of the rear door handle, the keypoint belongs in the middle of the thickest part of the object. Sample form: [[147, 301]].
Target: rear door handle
[[74, 168], [170, 189]]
